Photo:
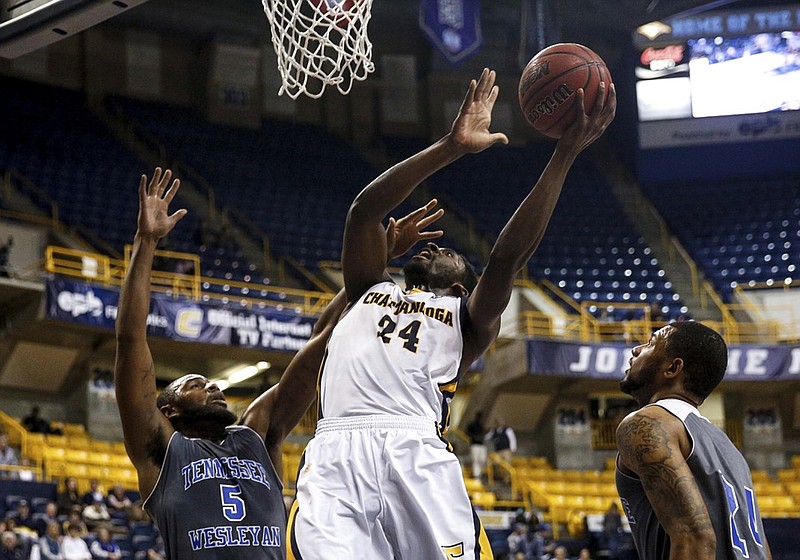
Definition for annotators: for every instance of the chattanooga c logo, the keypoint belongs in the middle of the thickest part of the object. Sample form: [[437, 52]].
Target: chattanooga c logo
[[454, 550], [189, 322]]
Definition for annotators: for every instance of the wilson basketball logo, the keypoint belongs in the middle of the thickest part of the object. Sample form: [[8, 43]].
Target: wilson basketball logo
[[555, 99]]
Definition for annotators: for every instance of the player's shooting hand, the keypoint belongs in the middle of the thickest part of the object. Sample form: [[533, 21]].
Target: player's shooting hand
[[470, 131], [154, 198], [404, 233], [589, 127]]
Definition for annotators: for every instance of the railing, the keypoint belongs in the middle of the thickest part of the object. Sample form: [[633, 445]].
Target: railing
[[604, 432], [94, 267], [17, 434]]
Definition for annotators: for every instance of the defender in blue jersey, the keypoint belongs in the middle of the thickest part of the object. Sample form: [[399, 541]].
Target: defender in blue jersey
[[686, 489], [377, 480], [214, 489]]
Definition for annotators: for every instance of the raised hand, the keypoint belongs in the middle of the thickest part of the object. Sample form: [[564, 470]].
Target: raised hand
[[404, 233], [154, 220], [589, 127], [470, 131]]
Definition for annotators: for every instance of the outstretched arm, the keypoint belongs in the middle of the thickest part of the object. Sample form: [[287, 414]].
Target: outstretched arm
[[649, 445], [145, 428], [364, 248], [524, 230], [276, 412]]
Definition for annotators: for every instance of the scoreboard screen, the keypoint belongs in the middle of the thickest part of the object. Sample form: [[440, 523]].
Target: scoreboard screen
[[705, 68]]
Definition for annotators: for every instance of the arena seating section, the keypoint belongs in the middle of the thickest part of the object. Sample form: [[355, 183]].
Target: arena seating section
[[590, 250], [743, 231], [67, 152]]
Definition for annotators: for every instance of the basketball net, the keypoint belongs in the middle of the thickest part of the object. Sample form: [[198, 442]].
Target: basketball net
[[320, 43]]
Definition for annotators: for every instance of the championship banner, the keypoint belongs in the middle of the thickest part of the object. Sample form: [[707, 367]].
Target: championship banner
[[609, 361], [454, 26], [180, 319]]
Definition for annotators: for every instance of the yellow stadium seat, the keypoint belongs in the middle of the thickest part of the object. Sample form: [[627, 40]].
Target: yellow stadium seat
[[102, 445], [768, 488], [473, 485], [572, 476], [788, 475], [70, 429], [796, 462], [793, 488], [607, 490], [761, 476], [78, 471], [83, 443], [76, 456], [57, 441], [484, 500], [54, 453]]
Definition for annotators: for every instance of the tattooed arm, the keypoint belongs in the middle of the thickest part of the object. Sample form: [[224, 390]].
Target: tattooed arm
[[653, 445]]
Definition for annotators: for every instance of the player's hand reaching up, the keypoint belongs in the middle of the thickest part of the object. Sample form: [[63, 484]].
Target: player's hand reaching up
[[470, 131], [154, 219], [589, 127], [404, 233]]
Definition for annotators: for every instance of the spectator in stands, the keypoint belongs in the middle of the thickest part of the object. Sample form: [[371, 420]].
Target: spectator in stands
[[477, 445], [157, 551], [50, 543], [95, 493], [74, 518], [5, 254], [7, 457], [560, 553], [35, 423], [119, 504], [585, 554], [50, 515], [518, 541], [26, 474], [73, 547], [96, 514], [681, 479], [104, 547], [24, 517], [11, 548], [612, 526], [504, 440], [69, 500]]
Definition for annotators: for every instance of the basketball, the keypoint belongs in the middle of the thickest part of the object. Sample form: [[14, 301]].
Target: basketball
[[550, 81]]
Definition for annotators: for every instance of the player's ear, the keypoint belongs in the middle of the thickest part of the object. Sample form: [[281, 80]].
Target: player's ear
[[674, 368], [169, 410], [458, 289]]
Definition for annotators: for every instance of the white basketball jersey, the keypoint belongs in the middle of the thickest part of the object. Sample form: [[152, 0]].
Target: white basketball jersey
[[394, 353]]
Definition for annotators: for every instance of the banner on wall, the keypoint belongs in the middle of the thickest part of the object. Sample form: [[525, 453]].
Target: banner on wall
[[719, 130], [609, 361], [181, 319], [454, 26]]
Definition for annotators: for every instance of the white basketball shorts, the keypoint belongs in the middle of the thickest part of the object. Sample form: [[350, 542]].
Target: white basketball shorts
[[382, 487]]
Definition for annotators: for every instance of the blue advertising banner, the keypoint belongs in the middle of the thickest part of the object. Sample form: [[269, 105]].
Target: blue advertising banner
[[181, 319], [609, 361], [454, 26]]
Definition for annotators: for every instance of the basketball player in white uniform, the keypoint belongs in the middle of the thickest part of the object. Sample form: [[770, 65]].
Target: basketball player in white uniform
[[378, 480]]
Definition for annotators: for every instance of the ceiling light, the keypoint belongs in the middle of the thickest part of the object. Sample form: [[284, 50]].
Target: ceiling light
[[654, 29]]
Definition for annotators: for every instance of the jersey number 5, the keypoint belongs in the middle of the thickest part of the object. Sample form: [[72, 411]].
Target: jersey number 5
[[733, 506], [232, 503], [408, 333]]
